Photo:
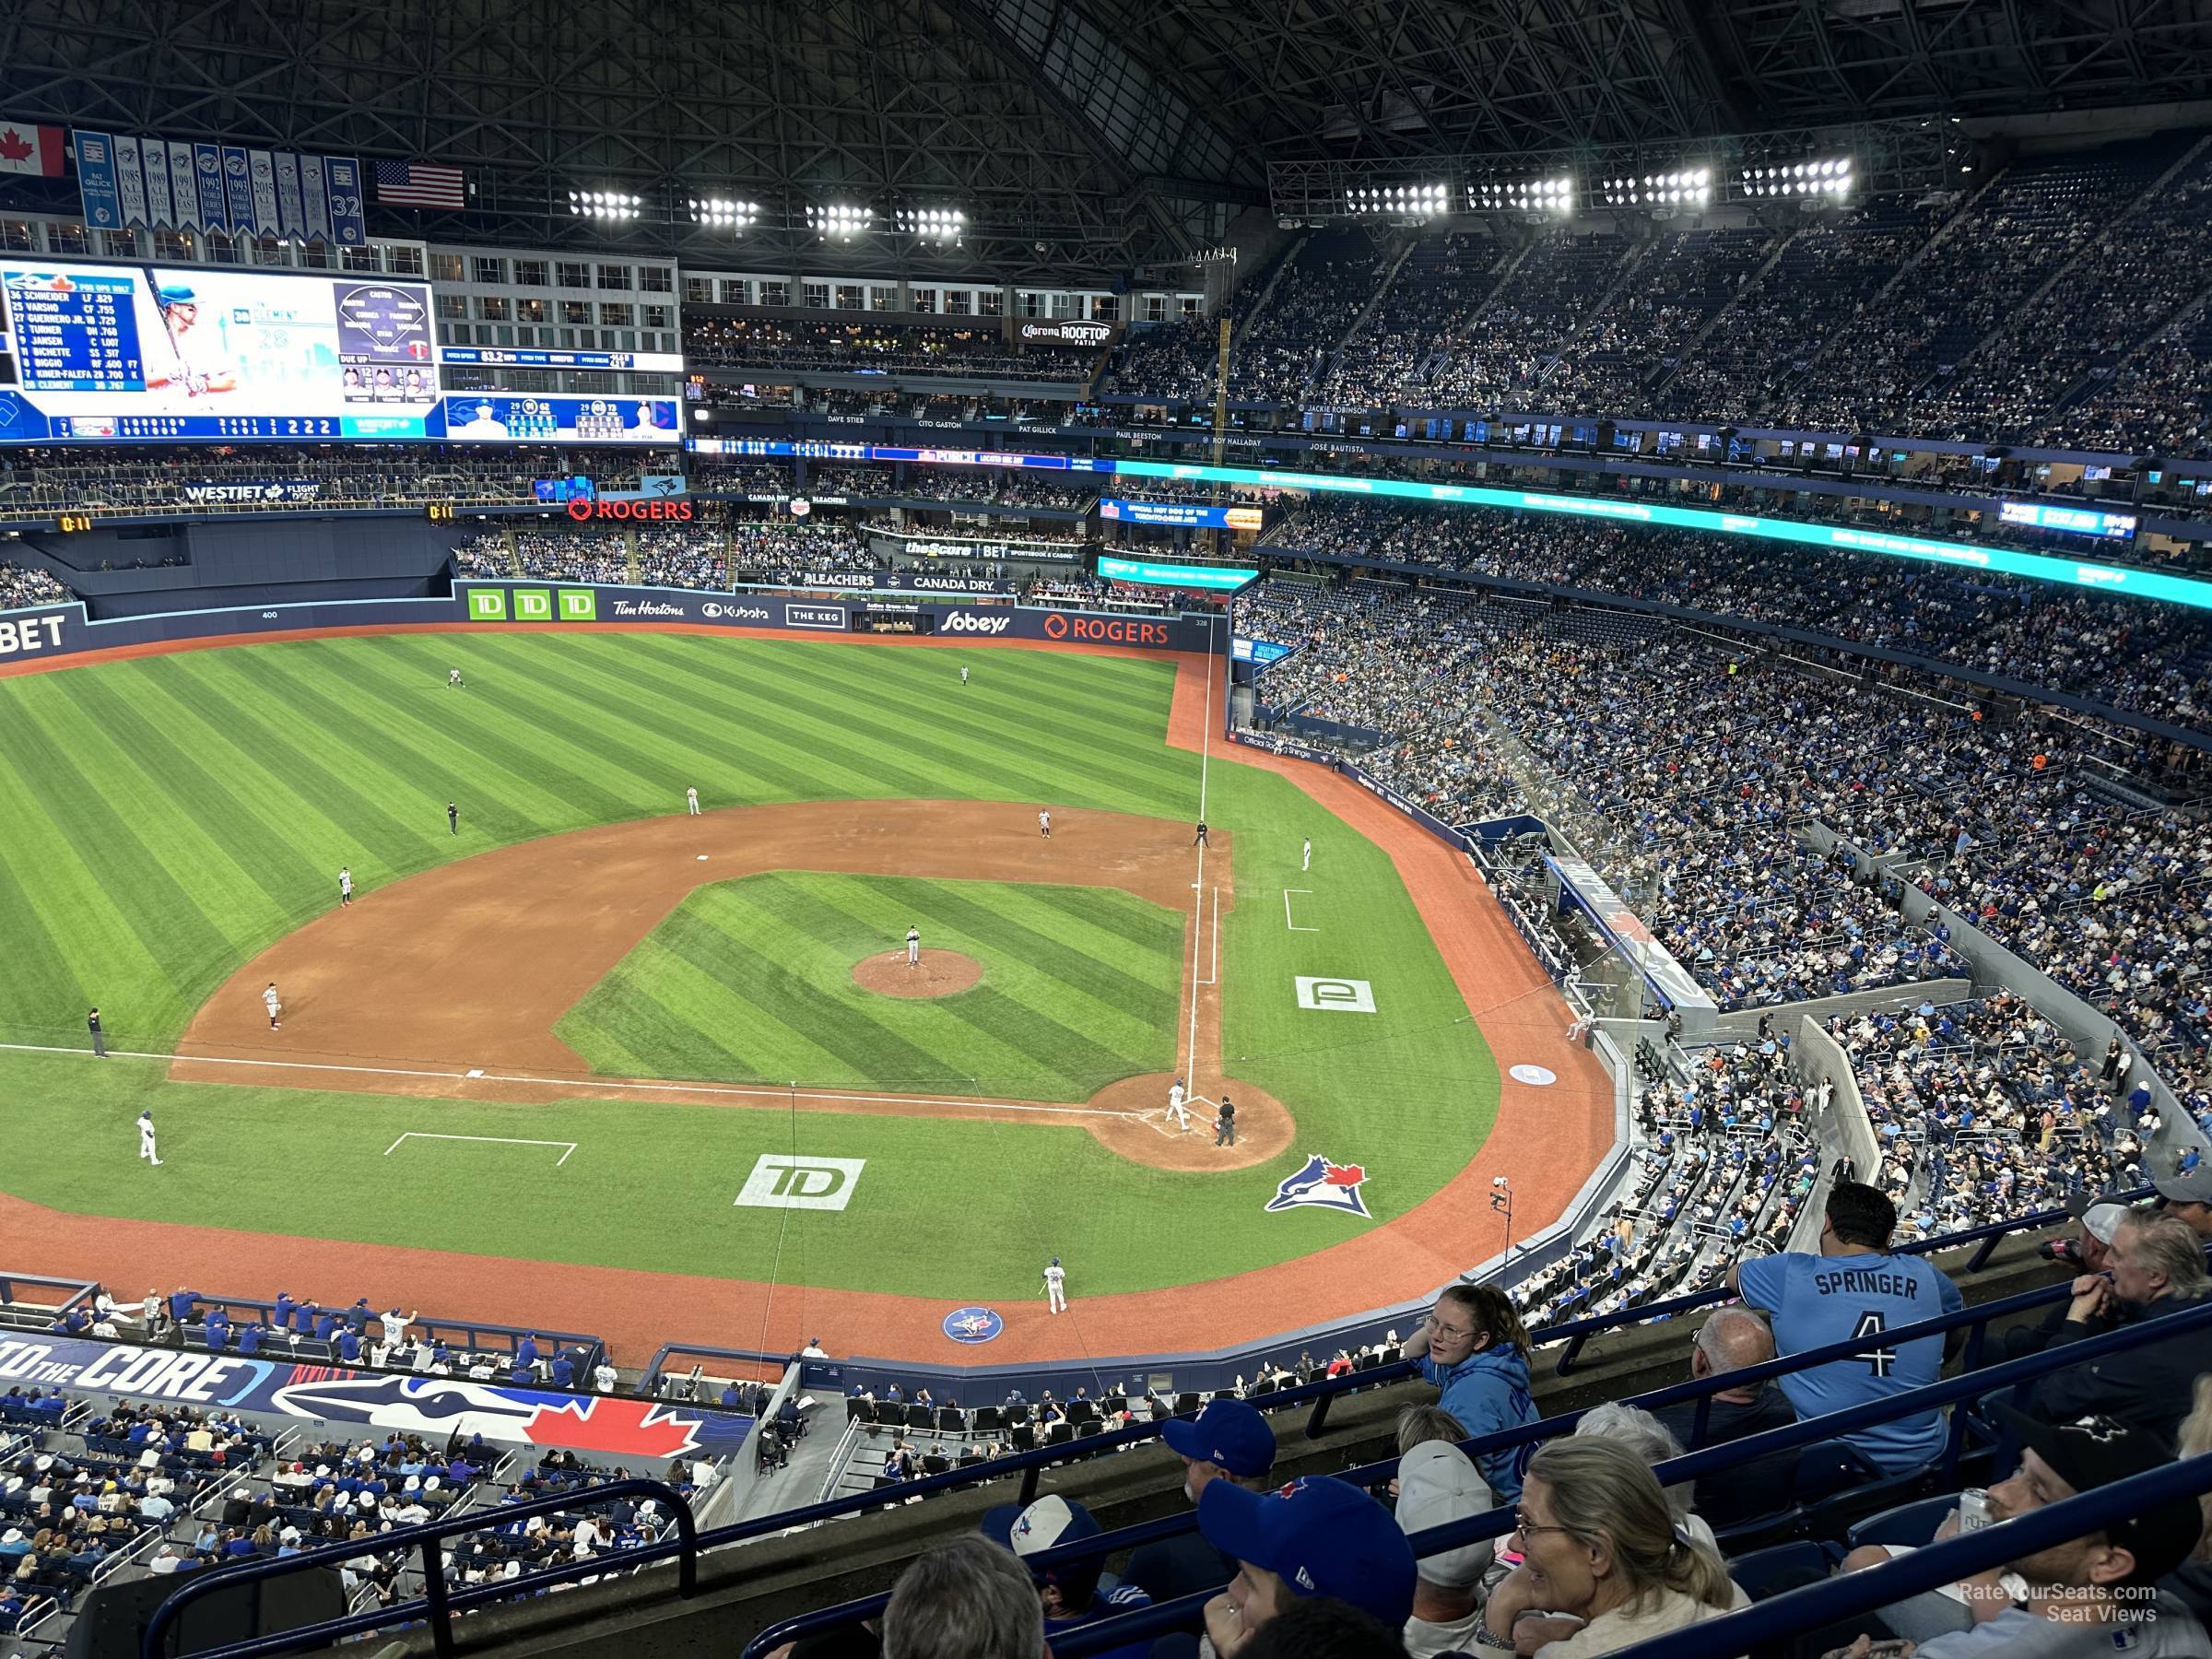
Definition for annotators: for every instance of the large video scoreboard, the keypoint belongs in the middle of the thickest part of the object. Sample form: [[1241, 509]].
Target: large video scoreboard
[[149, 354]]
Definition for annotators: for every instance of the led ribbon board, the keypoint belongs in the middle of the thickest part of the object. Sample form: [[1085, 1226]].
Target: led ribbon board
[[1225, 579], [2004, 562]]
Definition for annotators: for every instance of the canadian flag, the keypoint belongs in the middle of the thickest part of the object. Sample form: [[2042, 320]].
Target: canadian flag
[[31, 149]]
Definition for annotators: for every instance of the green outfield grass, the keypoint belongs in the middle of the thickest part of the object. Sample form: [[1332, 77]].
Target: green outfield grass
[[162, 819], [751, 982]]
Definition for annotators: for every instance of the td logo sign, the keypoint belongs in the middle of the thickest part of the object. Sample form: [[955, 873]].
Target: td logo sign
[[780, 1183], [533, 605]]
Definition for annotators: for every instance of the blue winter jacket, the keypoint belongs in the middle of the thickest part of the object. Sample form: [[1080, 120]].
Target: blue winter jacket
[[1489, 1392]]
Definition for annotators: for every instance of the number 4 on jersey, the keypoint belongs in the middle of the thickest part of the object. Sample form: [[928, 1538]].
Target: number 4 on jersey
[[1872, 1323]]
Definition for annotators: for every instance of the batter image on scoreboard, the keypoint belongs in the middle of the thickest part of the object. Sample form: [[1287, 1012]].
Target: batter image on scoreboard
[[159, 354]]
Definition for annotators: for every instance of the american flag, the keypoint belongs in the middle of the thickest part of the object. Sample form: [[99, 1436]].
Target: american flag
[[418, 185]]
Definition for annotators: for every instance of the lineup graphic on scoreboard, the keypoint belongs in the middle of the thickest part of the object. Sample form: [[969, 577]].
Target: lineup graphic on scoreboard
[[158, 354]]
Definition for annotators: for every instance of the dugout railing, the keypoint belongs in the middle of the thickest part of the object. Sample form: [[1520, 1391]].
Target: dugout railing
[[1029, 1466]]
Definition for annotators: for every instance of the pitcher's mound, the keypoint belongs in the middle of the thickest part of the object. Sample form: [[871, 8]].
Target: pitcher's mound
[[941, 973]]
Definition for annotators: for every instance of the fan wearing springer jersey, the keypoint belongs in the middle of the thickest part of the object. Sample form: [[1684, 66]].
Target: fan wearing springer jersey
[[1856, 1288]]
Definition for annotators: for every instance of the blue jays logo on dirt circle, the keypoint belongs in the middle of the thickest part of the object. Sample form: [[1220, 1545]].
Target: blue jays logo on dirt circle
[[972, 1324], [1321, 1185]]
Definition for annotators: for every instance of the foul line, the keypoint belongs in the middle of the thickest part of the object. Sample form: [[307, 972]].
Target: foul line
[[601, 1083], [503, 1140], [1293, 926], [1213, 977]]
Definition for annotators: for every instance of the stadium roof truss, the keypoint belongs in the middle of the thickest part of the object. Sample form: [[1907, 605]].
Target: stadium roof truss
[[1077, 135]]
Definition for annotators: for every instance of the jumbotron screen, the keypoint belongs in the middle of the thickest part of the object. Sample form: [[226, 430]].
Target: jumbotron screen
[[150, 353]]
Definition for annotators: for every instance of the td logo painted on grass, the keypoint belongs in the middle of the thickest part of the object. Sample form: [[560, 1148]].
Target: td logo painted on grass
[[780, 1183]]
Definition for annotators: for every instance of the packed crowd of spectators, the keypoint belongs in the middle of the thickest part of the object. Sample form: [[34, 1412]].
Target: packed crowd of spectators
[[865, 345], [1622, 350], [22, 586], [2149, 658], [1440, 285]]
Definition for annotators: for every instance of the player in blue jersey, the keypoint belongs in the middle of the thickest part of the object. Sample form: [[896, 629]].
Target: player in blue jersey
[[1854, 1287], [201, 365]]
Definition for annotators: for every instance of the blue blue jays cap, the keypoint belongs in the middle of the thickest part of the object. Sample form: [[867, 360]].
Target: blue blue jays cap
[[1321, 1537], [176, 293], [1227, 1434]]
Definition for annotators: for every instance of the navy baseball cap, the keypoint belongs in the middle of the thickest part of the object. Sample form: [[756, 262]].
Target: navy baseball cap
[[1227, 1434], [1321, 1537]]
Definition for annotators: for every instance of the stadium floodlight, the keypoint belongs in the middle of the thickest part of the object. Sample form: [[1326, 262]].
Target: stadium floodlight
[[605, 204], [722, 213], [934, 224], [1417, 200], [1830, 176], [838, 219]]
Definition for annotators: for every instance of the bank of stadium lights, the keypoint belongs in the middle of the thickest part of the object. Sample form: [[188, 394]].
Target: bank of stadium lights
[[934, 224], [837, 219], [1523, 196], [1799, 179], [605, 204], [1691, 187], [721, 213], [1417, 200]]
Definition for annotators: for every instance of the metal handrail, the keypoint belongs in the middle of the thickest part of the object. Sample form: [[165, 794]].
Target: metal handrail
[[1320, 1394], [1153, 1622], [437, 1603]]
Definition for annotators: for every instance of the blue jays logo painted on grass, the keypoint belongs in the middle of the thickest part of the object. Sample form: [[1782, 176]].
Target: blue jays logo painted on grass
[[972, 1324], [1321, 1185]]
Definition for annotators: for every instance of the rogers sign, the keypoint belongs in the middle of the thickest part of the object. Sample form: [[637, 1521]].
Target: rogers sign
[[655, 511], [1104, 630]]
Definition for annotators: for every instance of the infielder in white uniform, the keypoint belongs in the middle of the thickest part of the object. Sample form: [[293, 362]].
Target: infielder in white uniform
[[691, 800], [1044, 824], [454, 681], [913, 947], [275, 1008], [345, 885], [1305, 859], [1056, 1286], [145, 1137], [1178, 1114]]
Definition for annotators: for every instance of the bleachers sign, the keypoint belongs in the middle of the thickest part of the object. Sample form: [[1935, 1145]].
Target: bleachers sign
[[428, 1406]]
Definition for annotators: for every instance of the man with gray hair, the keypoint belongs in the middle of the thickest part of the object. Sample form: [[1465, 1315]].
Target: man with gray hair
[[968, 1599], [2157, 1271], [1730, 1339]]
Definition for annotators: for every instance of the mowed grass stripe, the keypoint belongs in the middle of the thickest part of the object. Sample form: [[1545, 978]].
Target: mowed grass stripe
[[613, 703], [702, 719], [863, 1047], [274, 866], [776, 914], [1045, 996], [668, 1034], [203, 678], [989, 758], [846, 761], [780, 919], [605, 738], [367, 726], [173, 929], [73, 904], [189, 883], [505, 741], [41, 980], [1134, 924]]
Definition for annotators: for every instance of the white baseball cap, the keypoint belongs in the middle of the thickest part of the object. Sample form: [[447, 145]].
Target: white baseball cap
[[1437, 1485], [2102, 1221]]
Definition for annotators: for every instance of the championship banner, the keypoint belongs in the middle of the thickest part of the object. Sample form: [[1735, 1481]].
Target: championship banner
[[384, 1401], [128, 182], [158, 208]]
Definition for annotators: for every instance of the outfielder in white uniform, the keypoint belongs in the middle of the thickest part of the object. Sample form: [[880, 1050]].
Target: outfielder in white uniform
[[275, 1008], [146, 1138], [1056, 1286], [1178, 1114], [345, 885], [691, 800], [454, 681], [963, 677], [1305, 860], [913, 947], [1044, 824]]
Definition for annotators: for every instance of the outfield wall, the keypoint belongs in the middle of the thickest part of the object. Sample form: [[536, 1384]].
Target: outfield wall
[[33, 636]]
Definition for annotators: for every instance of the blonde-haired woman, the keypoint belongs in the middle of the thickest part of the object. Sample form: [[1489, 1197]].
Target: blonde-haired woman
[[2191, 1580], [1604, 1565]]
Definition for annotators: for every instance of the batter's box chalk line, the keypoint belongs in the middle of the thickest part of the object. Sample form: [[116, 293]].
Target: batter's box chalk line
[[503, 1140], [1157, 1116]]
